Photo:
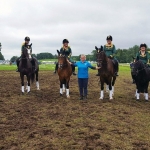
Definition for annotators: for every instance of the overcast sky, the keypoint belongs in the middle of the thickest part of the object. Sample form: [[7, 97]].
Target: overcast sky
[[85, 23]]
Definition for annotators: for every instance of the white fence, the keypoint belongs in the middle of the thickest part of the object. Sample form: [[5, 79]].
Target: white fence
[[4, 62]]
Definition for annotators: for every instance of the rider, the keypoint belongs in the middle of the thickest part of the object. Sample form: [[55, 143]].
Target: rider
[[66, 50], [143, 56], [24, 45], [110, 50]]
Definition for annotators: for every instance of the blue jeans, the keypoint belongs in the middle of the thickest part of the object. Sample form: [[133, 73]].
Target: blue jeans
[[83, 83]]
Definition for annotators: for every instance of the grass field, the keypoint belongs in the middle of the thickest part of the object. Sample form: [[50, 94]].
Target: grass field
[[51, 67], [44, 120]]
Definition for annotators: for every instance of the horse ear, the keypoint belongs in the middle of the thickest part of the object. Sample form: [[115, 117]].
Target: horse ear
[[96, 48], [58, 52], [101, 48]]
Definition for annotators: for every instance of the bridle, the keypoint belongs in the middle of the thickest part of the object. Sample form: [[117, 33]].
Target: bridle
[[61, 65], [100, 61], [138, 70]]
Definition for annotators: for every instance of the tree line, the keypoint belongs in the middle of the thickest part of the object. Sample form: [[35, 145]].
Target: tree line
[[122, 55]]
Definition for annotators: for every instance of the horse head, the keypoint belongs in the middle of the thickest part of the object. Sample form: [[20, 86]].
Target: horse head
[[100, 56], [62, 60], [26, 53], [137, 66]]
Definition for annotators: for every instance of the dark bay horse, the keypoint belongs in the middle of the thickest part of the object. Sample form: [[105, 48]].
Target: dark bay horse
[[107, 72], [142, 77], [26, 68], [64, 73]]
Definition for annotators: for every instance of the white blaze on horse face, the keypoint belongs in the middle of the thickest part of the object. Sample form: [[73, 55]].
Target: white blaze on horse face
[[146, 96], [29, 52], [67, 92], [110, 94], [22, 89], [28, 89], [61, 92], [102, 95]]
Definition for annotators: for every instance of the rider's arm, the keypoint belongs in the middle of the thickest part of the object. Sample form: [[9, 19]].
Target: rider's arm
[[114, 49], [70, 52]]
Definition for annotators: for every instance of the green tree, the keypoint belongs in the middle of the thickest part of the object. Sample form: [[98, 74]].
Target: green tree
[[1, 56], [13, 59]]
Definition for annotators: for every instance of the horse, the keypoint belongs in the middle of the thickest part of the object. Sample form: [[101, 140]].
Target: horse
[[142, 77], [107, 72], [26, 68], [64, 73]]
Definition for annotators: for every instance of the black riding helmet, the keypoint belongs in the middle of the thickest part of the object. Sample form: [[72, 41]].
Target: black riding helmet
[[27, 38], [65, 41], [109, 37], [143, 45]]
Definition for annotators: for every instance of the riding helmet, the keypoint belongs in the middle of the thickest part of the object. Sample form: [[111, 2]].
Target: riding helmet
[[65, 41], [27, 38], [143, 45], [109, 37]]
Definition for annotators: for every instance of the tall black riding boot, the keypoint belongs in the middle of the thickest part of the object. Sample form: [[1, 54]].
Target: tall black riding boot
[[17, 62], [116, 67], [56, 67], [73, 70], [35, 63]]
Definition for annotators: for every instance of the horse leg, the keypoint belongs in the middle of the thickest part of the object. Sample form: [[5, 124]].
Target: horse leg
[[102, 89], [67, 88], [113, 83], [64, 88], [110, 90], [146, 92], [37, 80], [22, 83], [107, 87], [138, 93], [28, 78], [61, 92]]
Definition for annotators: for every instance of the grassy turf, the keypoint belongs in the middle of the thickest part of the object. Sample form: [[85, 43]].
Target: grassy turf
[[46, 67]]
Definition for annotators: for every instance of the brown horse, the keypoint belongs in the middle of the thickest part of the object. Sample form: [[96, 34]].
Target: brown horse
[[64, 73], [107, 72], [26, 68]]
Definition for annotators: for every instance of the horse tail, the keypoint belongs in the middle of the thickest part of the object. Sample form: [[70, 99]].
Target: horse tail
[[32, 77]]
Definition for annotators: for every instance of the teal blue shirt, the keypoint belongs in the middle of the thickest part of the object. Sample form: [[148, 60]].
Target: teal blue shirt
[[83, 68]]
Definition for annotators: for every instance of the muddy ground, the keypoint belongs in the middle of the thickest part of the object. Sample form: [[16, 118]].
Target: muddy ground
[[43, 120]]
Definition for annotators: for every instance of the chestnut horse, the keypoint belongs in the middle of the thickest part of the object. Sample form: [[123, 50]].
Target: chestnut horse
[[26, 68], [64, 73], [107, 72]]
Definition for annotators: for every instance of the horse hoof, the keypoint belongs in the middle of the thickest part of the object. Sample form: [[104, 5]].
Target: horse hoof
[[60, 94], [68, 96], [110, 98], [101, 98], [38, 89], [22, 93], [29, 92]]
